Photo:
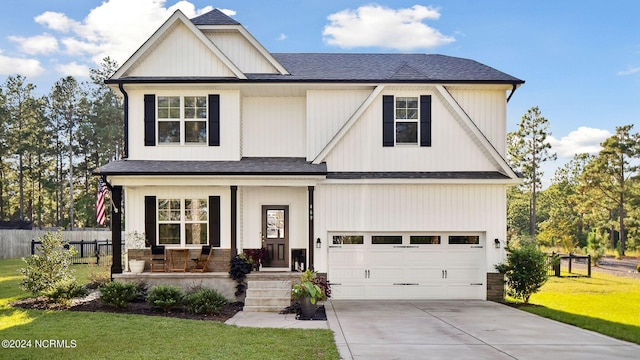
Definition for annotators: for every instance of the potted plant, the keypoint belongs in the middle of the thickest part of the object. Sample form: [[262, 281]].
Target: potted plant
[[135, 240], [308, 292]]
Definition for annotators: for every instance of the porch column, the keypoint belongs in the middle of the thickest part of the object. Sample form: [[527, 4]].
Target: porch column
[[234, 221], [311, 244], [116, 230]]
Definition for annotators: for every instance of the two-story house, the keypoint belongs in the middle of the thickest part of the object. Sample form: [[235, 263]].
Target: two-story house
[[387, 172]]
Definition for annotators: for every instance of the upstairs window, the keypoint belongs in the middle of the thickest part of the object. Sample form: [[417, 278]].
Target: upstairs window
[[182, 120], [407, 118]]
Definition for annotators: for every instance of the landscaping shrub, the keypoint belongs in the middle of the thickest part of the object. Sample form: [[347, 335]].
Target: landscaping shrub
[[49, 272], [118, 294], [205, 301], [525, 270], [63, 292], [98, 276], [166, 297]]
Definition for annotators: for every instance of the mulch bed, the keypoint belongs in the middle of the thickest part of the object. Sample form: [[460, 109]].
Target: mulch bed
[[92, 304]]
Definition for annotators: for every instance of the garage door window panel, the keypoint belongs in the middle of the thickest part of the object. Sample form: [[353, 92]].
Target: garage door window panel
[[386, 240], [424, 240], [348, 240], [464, 240]]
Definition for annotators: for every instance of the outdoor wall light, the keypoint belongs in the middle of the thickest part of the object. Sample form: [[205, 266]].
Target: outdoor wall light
[[318, 243], [497, 243]]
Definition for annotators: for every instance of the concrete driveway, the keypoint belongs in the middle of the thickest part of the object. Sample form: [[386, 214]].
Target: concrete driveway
[[433, 329]]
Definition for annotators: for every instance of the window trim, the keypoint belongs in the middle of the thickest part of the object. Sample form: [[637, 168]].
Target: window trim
[[182, 222], [397, 120], [182, 121]]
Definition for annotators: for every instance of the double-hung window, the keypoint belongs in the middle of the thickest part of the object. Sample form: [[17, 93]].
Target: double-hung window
[[183, 222], [407, 120], [182, 119]]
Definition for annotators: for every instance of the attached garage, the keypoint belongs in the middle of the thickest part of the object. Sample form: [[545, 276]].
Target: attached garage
[[407, 266]]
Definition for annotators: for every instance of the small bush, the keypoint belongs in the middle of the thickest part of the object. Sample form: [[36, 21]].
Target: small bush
[[50, 270], [638, 268], [118, 294], [239, 267], [166, 297], [526, 271], [205, 301], [98, 276], [63, 292]]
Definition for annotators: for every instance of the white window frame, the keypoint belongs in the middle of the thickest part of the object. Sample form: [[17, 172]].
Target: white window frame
[[406, 120], [182, 120], [183, 222]]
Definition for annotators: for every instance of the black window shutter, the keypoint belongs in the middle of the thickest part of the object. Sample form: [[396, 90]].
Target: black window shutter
[[214, 120], [150, 219], [388, 117], [149, 120], [425, 120], [214, 221]]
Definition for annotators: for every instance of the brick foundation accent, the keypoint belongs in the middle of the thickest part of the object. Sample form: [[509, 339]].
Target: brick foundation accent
[[495, 287], [219, 261]]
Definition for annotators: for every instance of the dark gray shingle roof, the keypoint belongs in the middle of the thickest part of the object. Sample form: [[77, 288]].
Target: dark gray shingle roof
[[214, 17], [246, 166], [476, 175], [384, 67]]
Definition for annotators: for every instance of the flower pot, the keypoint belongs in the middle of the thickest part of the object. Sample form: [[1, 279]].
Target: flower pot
[[136, 266], [307, 309]]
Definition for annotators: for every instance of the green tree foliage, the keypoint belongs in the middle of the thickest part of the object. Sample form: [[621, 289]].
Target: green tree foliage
[[612, 175], [596, 246], [525, 270], [50, 145], [528, 148]]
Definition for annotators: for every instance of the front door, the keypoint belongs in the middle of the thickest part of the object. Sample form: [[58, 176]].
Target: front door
[[275, 235]]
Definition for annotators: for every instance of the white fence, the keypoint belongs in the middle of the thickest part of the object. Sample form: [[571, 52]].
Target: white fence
[[15, 244]]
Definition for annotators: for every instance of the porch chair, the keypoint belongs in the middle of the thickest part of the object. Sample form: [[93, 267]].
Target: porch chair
[[158, 258], [202, 261]]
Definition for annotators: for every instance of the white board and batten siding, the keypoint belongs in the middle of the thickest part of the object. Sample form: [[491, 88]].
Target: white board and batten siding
[[273, 127], [167, 58], [229, 148], [327, 112], [452, 148], [240, 51]]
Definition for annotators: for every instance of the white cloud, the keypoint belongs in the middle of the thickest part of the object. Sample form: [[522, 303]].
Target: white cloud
[[73, 69], [22, 66], [374, 25], [39, 44], [282, 37], [582, 140], [629, 71], [56, 21], [227, 12]]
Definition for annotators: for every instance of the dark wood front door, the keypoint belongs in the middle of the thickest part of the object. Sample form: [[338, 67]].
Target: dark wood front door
[[275, 235]]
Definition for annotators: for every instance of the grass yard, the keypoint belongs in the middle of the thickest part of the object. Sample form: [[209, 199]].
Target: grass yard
[[116, 336], [603, 303]]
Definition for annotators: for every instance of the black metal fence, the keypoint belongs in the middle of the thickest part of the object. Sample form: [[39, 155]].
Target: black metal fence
[[97, 252], [555, 262]]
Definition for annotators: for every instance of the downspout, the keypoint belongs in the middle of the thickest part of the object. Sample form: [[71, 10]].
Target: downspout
[[515, 86], [126, 119]]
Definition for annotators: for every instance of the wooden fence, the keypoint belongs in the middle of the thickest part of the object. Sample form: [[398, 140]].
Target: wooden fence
[[15, 244]]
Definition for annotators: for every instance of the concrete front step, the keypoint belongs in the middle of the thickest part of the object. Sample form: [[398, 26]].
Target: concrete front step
[[267, 295], [269, 284]]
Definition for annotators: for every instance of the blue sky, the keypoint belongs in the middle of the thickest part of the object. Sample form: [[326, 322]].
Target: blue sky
[[580, 59]]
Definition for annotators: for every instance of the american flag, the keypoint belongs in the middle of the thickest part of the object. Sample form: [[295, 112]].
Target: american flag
[[102, 191]]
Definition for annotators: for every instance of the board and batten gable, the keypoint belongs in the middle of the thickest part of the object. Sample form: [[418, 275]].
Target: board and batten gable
[[166, 57], [452, 148], [273, 127], [229, 148], [240, 51], [327, 112]]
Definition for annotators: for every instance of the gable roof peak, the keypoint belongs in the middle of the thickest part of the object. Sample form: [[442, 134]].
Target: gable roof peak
[[214, 17]]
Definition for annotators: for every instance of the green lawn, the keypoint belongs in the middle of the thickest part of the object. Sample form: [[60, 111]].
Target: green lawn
[[118, 336], [603, 303]]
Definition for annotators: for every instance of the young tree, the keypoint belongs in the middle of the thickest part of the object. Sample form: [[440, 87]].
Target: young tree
[[525, 270], [528, 148], [611, 174]]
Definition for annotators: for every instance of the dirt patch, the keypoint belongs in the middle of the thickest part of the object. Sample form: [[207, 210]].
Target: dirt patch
[[92, 303]]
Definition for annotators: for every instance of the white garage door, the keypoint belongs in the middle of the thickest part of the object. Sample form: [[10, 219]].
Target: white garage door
[[372, 266]]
